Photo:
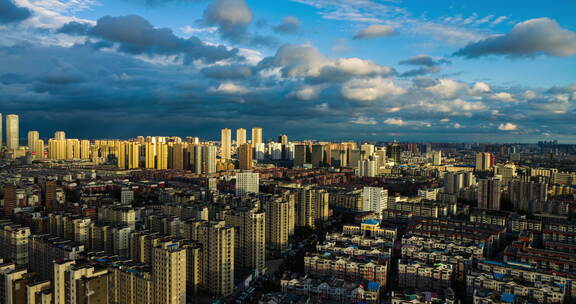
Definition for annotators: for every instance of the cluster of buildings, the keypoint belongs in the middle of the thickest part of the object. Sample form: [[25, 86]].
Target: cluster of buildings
[[178, 220]]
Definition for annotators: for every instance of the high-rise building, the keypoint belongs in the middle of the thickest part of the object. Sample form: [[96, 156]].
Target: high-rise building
[[38, 149], [161, 156], [394, 152], [375, 199], [217, 262], [283, 139], [33, 136], [354, 157], [121, 157], [259, 151], [280, 221], [12, 132], [484, 161], [489, 193], [250, 237], [176, 156], [85, 149], [240, 136], [208, 159], [247, 182], [413, 148], [437, 158], [245, 157], [60, 135], [525, 195], [9, 199], [301, 155], [80, 283], [339, 157], [50, 195], [14, 242], [454, 181], [368, 167], [311, 207], [381, 153], [73, 149], [149, 155], [35, 145], [318, 155], [256, 135], [275, 151], [195, 158], [132, 155], [57, 149], [367, 150], [226, 144], [169, 273]]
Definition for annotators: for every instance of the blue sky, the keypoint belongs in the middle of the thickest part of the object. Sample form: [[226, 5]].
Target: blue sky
[[327, 69]]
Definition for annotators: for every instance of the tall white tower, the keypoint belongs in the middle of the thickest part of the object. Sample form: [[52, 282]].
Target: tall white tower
[[12, 132]]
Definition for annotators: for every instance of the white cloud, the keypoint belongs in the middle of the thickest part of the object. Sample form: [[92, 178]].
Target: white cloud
[[370, 89], [395, 121], [479, 88], [529, 94], [444, 120], [307, 92], [375, 12], [503, 96], [456, 107], [323, 107], [362, 120], [251, 56], [52, 14], [499, 20], [457, 126], [193, 30], [304, 60], [507, 127], [447, 88], [229, 88], [360, 67], [393, 109]]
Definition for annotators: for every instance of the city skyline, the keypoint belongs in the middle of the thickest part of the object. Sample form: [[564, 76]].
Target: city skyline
[[24, 136], [362, 70]]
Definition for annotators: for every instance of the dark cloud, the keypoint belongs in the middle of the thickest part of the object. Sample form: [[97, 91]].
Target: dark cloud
[[11, 78], [428, 65], [375, 31], [63, 74], [424, 82], [75, 28], [424, 60], [232, 18], [10, 13], [86, 90], [135, 35], [257, 40], [421, 71], [563, 90], [534, 37], [261, 23], [228, 71], [289, 25]]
